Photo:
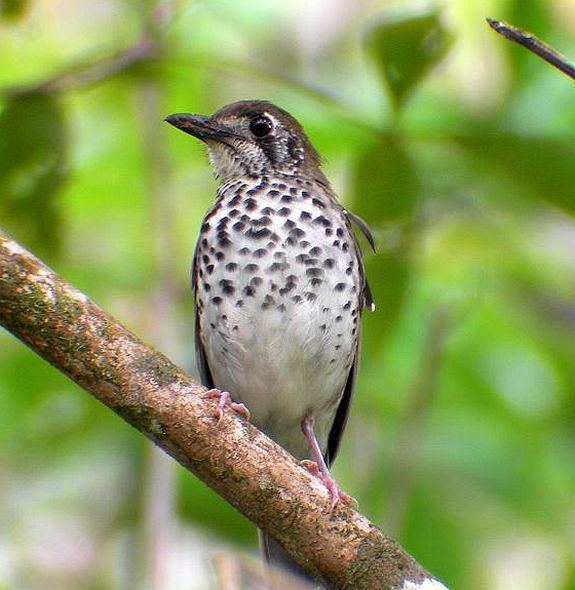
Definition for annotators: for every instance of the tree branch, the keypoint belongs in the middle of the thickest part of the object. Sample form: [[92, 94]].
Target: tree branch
[[250, 471]]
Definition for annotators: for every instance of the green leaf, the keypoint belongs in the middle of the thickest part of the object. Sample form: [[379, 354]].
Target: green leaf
[[32, 170], [385, 182], [542, 168], [405, 47], [12, 9], [386, 195]]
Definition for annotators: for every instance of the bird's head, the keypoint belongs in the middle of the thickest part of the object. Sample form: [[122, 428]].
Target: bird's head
[[252, 137]]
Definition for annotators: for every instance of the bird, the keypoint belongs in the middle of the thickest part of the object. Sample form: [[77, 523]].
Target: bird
[[279, 284]]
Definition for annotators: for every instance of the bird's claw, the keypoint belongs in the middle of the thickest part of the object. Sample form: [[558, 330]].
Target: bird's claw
[[336, 493], [225, 401]]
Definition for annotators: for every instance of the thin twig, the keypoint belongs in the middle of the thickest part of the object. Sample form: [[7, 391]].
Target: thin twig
[[535, 45]]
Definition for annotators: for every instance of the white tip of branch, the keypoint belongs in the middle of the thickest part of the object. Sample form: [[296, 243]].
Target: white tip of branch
[[427, 584]]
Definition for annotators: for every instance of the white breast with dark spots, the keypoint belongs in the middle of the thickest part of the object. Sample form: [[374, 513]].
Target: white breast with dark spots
[[278, 292]]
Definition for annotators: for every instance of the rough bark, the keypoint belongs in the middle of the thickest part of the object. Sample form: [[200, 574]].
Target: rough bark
[[240, 463]]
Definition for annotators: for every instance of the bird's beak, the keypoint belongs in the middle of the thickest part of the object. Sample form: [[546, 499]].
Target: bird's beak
[[199, 126]]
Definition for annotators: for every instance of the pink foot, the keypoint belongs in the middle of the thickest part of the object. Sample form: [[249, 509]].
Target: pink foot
[[336, 493], [225, 401]]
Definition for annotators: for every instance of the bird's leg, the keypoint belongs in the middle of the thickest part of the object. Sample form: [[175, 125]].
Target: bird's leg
[[225, 401], [318, 467]]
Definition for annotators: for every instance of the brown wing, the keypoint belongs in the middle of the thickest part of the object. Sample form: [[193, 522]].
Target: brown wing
[[342, 412], [204, 372]]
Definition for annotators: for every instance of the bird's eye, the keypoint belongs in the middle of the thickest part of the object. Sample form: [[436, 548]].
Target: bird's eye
[[261, 126]]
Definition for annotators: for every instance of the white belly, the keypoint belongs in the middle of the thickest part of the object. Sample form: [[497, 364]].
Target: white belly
[[284, 346]]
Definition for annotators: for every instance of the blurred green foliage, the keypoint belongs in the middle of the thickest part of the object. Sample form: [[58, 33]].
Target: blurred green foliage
[[462, 436]]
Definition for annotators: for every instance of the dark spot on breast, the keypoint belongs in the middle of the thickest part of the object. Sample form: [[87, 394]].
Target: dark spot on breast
[[348, 270], [305, 215], [258, 234], [345, 247], [207, 287], [267, 211], [310, 296], [251, 267], [234, 201], [249, 291], [220, 256], [238, 226], [286, 199], [204, 243], [210, 269], [216, 300], [305, 194], [314, 272], [296, 299], [281, 307], [321, 220], [340, 287], [311, 261], [289, 241], [304, 244], [315, 251], [347, 305], [316, 282], [262, 221], [293, 190], [231, 266], [325, 309], [245, 218], [338, 318], [328, 231], [250, 204], [234, 213], [297, 232], [284, 211], [323, 327], [336, 243], [244, 251], [339, 232], [329, 263], [222, 223], [227, 287], [279, 254], [289, 224], [205, 259], [318, 203], [205, 227], [256, 281], [260, 253], [276, 266], [301, 258], [273, 193], [240, 303], [268, 302]]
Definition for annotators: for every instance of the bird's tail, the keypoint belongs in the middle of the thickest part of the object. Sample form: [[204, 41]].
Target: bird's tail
[[278, 558]]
